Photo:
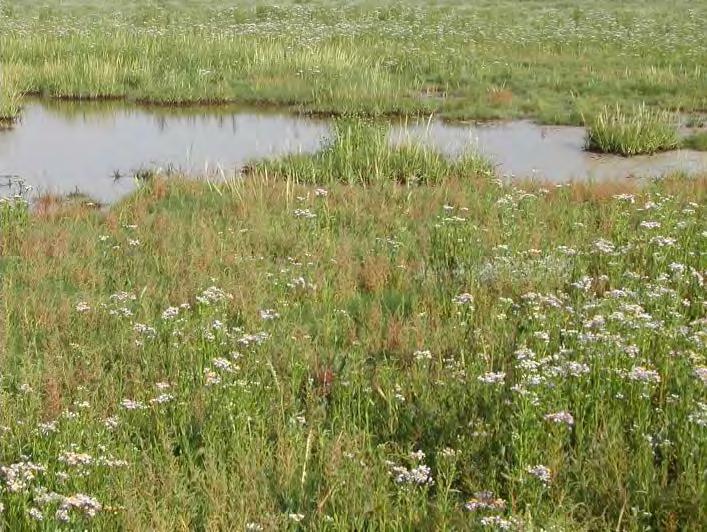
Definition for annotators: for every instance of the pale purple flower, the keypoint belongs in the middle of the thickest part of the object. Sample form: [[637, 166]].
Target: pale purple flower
[[639, 373], [560, 418], [541, 472], [492, 378]]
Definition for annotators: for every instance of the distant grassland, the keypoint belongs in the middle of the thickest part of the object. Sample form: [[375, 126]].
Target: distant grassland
[[554, 61]]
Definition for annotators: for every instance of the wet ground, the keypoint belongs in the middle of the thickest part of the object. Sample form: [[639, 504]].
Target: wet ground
[[95, 148]]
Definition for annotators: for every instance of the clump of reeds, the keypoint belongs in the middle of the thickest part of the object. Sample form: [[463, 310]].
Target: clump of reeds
[[696, 141], [10, 97], [639, 130], [360, 152]]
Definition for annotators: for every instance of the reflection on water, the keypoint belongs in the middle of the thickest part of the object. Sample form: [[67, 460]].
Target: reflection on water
[[63, 147]]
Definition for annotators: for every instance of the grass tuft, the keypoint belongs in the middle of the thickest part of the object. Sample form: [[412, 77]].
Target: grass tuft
[[696, 141], [632, 132], [360, 152], [10, 98]]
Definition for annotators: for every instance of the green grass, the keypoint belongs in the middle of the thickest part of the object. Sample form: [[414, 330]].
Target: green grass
[[371, 337], [696, 141], [360, 153], [339, 340], [555, 61], [632, 132], [10, 97]]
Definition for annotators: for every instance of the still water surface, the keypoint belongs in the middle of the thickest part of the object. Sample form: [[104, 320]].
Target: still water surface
[[63, 147]]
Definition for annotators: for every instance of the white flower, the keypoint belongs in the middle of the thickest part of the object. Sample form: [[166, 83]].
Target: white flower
[[74, 459], [604, 246], [268, 314], [146, 330], [541, 472], [560, 417], [47, 428], [423, 355], [663, 241], [485, 500], [417, 455], [82, 307], [304, 213], [162, 398], [296, 517], [223, 364], [464, 299], [212, 378], [88, 505], [62, 515], [170, 313], [676, 267], [212, 295], [629, 198], [639, 373], [498, 522], [418, 476], [111, 423], [129, 404], [492, 378], [699, 416]]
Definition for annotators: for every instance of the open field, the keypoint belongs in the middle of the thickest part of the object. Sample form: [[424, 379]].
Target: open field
[[552, 60], [268, 355]]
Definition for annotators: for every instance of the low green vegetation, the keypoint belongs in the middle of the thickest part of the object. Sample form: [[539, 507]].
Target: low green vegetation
[[636, 131], [696, 141], [361, 153], [552, 60], [371, 337], [10, 98], [268, 355]]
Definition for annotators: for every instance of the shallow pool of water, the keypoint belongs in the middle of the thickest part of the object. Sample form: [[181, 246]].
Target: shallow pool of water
[[522, 149], [94, 148]]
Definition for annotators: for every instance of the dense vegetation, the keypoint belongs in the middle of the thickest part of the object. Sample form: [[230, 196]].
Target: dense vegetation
[[553, 60], [372, 337], [269, 354]]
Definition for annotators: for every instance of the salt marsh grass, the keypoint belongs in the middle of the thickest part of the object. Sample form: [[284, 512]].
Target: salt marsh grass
[[264, 354], [361, 153], [696, 141], [550, 60], [635, 131], [371, 337], [10, 96]]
